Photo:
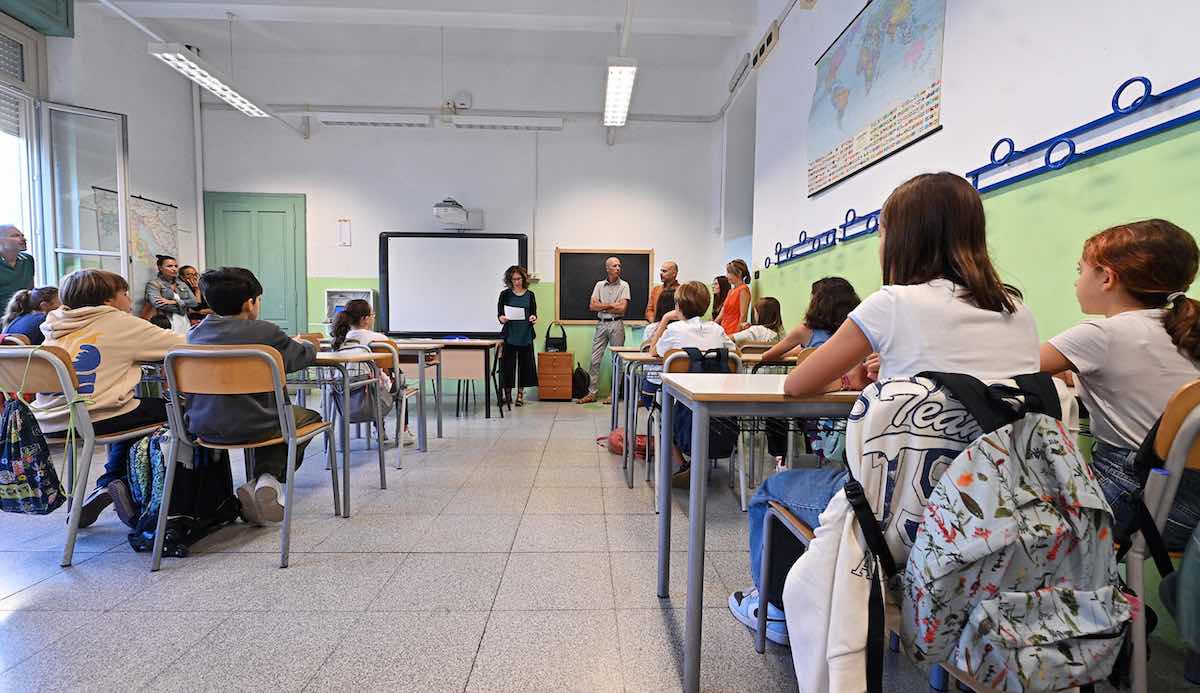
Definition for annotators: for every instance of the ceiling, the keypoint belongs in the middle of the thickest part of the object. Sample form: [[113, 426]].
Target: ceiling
[[699, 34]]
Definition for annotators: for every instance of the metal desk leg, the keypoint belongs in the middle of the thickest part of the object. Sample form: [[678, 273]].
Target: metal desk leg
[[663, 491], [437, 402], [631, 394], [487, 383], [614, 395], [422, 440], [696, 521], [373, 391], [345, 413]]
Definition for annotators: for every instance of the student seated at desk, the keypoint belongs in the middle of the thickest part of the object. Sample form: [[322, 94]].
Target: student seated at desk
[[235, 296], [942, 308], [652, 383], [27, 311], [680, 329], [767, 326], [1128, 363], [353, 324], [108, 346]]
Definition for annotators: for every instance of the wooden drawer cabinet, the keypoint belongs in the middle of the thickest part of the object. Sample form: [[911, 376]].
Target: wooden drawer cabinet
[[554, 375]]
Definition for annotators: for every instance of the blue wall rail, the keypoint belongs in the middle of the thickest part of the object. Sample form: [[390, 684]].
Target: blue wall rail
[[1057, 152]]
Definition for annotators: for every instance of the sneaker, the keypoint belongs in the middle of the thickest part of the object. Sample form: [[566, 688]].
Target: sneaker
[[96, 502], [123, 503], [780, 465], [744, 607], [268, 494], [408, 438], [245, 496], [683, 477]]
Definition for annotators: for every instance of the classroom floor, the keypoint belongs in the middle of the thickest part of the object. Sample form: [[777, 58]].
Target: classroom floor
[[509, 558]]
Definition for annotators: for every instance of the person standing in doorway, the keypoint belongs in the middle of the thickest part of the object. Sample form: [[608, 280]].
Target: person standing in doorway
[[16, 265], [516, 310], [669, 274], [610, 300], [735, 311]]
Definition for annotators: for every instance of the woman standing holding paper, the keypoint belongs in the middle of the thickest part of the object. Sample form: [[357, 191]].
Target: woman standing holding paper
[[517, 312]]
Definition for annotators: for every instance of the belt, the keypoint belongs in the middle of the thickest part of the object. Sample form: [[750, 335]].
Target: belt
[[611, 319]]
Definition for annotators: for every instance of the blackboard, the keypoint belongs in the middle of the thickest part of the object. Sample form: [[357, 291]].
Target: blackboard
[[577, 271]]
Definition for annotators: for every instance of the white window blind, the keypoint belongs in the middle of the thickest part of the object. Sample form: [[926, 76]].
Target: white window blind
[[12, 59]]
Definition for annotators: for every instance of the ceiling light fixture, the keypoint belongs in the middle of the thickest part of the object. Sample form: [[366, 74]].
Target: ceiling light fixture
[[619, 90], [191, 66], [527, 123]]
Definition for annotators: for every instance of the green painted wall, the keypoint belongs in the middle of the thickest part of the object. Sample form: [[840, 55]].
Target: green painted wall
[[579, 338], [1036, 228], [1036, 231]]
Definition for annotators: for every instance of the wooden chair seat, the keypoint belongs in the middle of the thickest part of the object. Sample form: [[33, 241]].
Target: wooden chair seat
[[782, 511], [119, 436], [411, 392], [303, 433]]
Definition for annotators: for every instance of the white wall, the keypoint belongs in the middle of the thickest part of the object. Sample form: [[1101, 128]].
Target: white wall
[[653, 189], [737, 204], [106, 67], [1025, 69]]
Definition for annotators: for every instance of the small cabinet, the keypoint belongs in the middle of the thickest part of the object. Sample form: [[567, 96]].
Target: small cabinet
[[554, 375]]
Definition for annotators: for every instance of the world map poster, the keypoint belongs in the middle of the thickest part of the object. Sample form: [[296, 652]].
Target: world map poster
[[879, 88]]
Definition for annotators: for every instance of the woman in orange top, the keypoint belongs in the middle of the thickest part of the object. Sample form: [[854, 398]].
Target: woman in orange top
[[737, 303]]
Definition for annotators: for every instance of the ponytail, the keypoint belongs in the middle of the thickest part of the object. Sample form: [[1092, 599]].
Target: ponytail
[[1182, 322], [353, 313], [20, 304]]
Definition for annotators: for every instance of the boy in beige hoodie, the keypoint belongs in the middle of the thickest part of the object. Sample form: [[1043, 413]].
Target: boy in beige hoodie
[[108, 346]]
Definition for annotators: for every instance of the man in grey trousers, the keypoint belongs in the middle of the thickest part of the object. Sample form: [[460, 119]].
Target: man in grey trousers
[[610, 300]]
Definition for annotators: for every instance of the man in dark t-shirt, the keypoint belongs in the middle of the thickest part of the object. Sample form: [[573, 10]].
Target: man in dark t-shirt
[[16, 265]]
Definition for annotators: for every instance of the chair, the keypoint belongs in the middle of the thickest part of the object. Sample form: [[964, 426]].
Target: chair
[[1178, 445], [13, 339], [756, 348], [49, 369], [676, 361], [774, 367], [400, 396], [235, 370], [495, 376]]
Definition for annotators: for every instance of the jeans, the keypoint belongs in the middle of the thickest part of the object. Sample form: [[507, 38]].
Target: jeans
[[148, 411], [273, 458], [806, 492], [1115, 472]]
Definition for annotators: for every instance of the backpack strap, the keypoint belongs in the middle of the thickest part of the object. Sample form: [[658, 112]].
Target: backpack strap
[[992, 406], [881, 557], [1142, 521]]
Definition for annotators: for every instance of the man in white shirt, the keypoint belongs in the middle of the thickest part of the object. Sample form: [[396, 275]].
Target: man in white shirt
[[610, 300]]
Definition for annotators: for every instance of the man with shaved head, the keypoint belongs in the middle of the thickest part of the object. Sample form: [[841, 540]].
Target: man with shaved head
[[610, 300], [16, 265], [669, 274]]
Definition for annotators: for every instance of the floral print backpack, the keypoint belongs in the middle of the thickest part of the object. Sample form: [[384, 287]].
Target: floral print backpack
[[1013, 577]]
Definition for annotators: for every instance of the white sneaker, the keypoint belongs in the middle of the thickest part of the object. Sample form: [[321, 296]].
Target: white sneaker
[[268, 494], [408, 438], [245, 495]]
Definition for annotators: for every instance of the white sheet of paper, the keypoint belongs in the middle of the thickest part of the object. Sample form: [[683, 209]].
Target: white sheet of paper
[[514, 313]]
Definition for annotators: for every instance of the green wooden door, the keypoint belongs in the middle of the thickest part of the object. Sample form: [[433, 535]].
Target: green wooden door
[[265, 234]]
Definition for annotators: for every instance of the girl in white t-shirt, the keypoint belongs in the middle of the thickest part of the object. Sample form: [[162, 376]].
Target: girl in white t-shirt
[[1129, 363], [767, 326], [942, 308], [353, 324]]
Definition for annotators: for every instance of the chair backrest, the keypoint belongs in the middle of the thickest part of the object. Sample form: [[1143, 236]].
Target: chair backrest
[[208, 369], [676, 361], [805, 353], [14, 339], [40, 369], [1185, 400], [756, 348], [313, 338]]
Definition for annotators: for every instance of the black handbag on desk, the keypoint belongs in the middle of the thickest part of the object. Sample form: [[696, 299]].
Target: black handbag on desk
[[559, 343]]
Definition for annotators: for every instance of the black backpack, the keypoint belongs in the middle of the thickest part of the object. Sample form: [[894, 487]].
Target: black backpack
[[559, 343], [581, 382], [722, 432]]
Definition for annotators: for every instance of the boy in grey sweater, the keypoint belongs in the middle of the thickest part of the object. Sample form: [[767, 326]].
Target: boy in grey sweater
[[235, 296]]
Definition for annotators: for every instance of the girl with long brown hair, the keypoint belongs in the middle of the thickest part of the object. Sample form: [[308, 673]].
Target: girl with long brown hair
[[1129, 361]]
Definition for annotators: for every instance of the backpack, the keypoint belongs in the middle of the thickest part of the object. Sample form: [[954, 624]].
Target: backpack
[[28, 482], [614, 442], [363, 402], [556, 344], [581, 382], [1012, 577], [202, 497], [722, 432]]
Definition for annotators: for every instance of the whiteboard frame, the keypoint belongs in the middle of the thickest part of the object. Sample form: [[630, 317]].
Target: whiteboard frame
[[384, 299], [641, 320]]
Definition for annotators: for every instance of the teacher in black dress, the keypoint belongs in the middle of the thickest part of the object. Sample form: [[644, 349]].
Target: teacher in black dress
[[517, 366]]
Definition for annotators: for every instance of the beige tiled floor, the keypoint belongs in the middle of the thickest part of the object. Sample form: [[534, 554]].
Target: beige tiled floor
[[511, 557]]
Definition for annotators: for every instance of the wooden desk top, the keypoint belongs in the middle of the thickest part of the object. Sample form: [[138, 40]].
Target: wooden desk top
[[641, 357], [332, 358], [412, 346], [755, 359], [624, 349], [743, 387], [459, 343]]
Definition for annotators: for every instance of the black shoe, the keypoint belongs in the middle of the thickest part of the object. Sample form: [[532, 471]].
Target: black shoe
[[93, 505], [683, 477], [123, 502]]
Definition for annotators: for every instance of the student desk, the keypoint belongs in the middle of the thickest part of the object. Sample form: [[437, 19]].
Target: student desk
[[632, 365], [710, 395], [467, 359], [417, 355], [617, 386], [749, 361]]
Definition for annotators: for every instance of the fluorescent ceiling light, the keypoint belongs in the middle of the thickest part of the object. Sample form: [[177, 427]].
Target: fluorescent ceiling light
[[531, 123], [365, 119], [619, 90], [191, 66]]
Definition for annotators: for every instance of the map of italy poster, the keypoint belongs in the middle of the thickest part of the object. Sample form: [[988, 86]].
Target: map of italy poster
[[879, 88]]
